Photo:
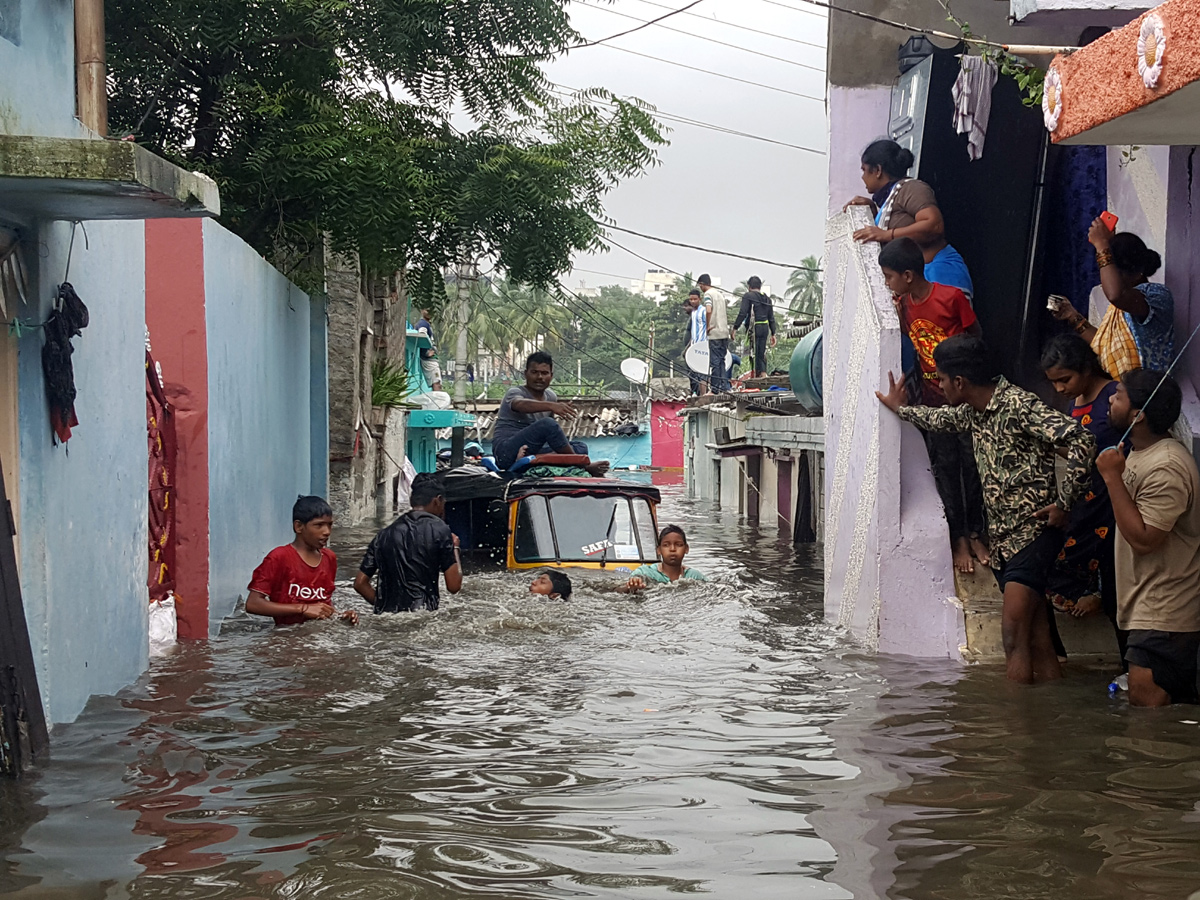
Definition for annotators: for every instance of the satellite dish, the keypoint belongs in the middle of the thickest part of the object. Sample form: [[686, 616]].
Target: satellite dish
[[635, 370], [696, 358]]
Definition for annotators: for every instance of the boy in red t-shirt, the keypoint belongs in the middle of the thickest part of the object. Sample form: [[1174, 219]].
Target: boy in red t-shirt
[[929, 313], [295, 582]]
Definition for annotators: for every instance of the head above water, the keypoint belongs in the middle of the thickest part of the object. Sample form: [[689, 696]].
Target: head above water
[[312, 521], [1071, 365], [883, 162], [754, 283], [963, 362], [903, 265], [672, 545], [1139, 396], [428, 494], [552, 583]]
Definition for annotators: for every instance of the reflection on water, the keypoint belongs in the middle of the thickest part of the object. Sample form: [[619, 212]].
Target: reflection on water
[[714, 738]]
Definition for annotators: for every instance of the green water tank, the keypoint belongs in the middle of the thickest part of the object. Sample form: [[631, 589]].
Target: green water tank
[[805, 370]]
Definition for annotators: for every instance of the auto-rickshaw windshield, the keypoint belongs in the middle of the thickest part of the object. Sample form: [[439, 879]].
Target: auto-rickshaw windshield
[[582, 528]]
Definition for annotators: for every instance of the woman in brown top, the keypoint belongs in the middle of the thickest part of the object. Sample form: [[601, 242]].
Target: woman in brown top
[[907, 207]]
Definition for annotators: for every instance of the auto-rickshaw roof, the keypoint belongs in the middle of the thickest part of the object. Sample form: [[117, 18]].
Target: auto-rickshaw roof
[[592, 487]]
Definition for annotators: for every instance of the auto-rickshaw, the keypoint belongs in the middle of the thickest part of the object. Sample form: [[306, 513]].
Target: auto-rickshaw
[[562, 522]]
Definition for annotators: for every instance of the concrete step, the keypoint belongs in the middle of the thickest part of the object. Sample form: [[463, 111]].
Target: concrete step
[[1085, 639]]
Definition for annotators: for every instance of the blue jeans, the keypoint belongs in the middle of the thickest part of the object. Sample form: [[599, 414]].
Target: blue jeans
[[543, 436], [718, 374]]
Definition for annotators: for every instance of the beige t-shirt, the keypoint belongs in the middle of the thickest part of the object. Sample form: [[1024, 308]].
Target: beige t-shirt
[[718, 315], [1161, 590]]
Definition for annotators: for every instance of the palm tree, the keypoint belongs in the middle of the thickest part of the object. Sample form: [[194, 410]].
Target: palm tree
[[805, 292]]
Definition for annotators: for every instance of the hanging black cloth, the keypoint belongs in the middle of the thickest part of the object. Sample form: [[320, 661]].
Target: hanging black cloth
[[67, 319]]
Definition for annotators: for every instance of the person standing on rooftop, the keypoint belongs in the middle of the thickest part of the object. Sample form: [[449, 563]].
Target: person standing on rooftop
[[718, 334]]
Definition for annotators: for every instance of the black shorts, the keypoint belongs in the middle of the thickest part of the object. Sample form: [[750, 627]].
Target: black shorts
[[1171, 657], [1033, 563]]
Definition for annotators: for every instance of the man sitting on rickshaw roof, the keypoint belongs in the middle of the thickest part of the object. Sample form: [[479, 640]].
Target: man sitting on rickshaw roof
[[525, 425]]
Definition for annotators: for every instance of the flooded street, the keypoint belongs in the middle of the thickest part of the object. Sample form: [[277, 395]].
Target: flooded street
[[710, 738]]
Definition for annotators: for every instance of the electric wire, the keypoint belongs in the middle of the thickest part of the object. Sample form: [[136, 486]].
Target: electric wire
[[700, 37], [499, 317], [929, 32], [650, 237], [597, 43], [758, 84], [782, 37], [569, 92]]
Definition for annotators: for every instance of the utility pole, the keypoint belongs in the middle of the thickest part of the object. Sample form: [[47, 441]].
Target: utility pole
[[464, 278], [579, 375], [650, 355]]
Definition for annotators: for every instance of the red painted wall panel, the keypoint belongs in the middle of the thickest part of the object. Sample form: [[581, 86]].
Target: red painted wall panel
[[175, 318], [666, 434]]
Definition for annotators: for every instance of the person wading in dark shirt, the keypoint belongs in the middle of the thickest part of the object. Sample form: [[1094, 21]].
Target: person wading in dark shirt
[[409, 554]]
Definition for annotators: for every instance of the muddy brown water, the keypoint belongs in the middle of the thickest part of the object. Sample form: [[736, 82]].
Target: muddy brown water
[[713, 739]]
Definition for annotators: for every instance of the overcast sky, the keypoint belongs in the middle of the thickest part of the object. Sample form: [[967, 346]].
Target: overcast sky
[[714, 190]]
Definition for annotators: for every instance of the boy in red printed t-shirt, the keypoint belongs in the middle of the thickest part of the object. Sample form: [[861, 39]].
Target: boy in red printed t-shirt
[[929, 313], [294, 582]]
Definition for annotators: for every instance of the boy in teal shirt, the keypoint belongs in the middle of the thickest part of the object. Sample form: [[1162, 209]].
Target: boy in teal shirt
[[672, 548]]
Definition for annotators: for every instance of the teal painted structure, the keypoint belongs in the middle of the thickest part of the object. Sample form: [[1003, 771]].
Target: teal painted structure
[[414, 343], [805, 370], [422, 447], [260, 410]]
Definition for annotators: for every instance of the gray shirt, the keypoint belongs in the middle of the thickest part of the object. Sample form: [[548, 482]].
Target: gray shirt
[[509, 422]]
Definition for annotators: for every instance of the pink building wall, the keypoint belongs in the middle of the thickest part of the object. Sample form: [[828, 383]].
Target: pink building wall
[[666, 434]]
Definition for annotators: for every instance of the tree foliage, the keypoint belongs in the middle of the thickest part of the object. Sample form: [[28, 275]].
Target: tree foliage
[[333, 117], [805, 292], [506, 318]]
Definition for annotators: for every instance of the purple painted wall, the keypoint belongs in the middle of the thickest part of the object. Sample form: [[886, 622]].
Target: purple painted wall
[[888, 575], [857, 116]]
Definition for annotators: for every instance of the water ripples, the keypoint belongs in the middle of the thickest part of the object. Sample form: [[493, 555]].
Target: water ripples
[[714, 738]]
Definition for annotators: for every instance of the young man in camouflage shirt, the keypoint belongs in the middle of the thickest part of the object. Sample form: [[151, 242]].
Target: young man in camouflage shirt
[[1016, 438]]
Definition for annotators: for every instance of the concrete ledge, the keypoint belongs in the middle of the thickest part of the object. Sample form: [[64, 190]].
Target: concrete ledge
[[1085, 639], [1079, 13], [78, 178]]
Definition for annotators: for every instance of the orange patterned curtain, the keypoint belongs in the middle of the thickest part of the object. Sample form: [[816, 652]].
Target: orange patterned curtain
[[160, 435]]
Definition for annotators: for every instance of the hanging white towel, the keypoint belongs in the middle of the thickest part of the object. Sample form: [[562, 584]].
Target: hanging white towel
[[972, 93]]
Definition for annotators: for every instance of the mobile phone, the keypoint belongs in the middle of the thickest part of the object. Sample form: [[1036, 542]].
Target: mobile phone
[[1109, 220], [1055, 302]]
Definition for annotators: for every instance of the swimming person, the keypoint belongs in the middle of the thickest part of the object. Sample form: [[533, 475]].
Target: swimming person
[[294, 582], [552, 584], [672, 548]]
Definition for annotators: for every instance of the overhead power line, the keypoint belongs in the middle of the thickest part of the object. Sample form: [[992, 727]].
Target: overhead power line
[[758, 84], [699, 37], [708, 126], [601, 41], [722, 22], [1030, 49], [650, 237]]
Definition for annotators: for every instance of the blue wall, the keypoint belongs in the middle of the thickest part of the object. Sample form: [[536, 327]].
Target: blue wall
[[622, 452], [259, 411], [37, 86], [84, 506]]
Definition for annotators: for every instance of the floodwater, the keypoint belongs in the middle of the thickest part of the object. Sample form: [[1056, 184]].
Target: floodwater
[[713, 739]]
